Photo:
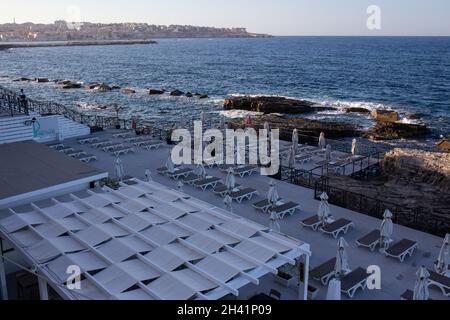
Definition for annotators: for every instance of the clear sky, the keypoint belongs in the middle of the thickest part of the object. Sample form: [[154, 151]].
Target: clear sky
[[281, 17]]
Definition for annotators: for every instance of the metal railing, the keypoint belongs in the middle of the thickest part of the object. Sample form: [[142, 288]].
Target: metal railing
[[417, 218]]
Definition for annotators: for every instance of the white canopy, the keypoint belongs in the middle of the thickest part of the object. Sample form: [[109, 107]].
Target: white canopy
[[354, 147], [328, 153], [274, 224], [387, 229], [291, 158], [230, 181], [272, 195], [120, 172], [421, 288], [295, 140], [170, 165], [342, 267], [146, 241], [334, 290], [444, 256], [324, 211], [322, 141]]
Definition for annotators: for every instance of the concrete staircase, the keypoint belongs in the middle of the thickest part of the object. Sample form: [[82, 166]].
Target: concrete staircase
[[71, 129], [19, 128], [13, 129]]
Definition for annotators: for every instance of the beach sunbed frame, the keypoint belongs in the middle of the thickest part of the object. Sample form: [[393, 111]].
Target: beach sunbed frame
[[357, 279], [371, 240], [337, 227], [207, 183], [122, 151], [312, 222], [243, 194], [440, 281], [402, 249], [285, 209], [324, 272]]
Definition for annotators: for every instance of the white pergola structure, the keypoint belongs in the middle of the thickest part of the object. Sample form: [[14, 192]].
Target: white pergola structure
[[145, 242]]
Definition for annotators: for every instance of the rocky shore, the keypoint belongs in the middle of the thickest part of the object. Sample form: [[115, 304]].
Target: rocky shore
[[275, 109], [413, 180]]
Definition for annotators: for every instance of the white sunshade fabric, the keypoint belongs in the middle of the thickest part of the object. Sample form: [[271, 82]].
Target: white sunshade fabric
[[178, 249]]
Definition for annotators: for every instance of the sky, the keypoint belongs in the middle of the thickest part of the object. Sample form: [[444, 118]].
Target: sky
[[281, 17]]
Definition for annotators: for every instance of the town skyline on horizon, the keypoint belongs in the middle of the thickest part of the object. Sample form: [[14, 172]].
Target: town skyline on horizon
[[287, 18]]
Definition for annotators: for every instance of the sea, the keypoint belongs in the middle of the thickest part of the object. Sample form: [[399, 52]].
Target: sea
[[408, 74]]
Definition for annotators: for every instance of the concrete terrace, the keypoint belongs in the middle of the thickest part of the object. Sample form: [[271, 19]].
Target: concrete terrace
[[396, 277]]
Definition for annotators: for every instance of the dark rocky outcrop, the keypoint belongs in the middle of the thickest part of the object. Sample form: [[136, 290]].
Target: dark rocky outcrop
[[72, 85], [189, 95], [115, 87], [356, 110], [272, 105], [444, 145], [304, 126], [21, 79], [155, 92], [63, 82], [385, 115], [42, 80], [91, 86], [128, 91], [177, 93], [203, 96], [397, 130], [103, 88]]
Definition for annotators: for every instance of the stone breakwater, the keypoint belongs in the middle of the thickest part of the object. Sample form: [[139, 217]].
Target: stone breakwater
[[5, 46]]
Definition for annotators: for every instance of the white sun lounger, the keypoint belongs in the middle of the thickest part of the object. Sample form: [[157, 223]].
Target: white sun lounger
[[152, 146], [88, 140], [122, 151], [337, 227], [440, 281], [101, 143], [55, 145], [371, 240], [357, 279], [324, 272], [178, 173], [124, 135], [402, 249], [242, 172], [285, 209], [112, 147], [263, 205], [311, 222], [207, 183], [191, 178], [222, 189], [65, 149], [86, 158], [243, 194], [76, 153]]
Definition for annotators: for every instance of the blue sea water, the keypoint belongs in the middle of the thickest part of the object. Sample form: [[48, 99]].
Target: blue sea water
[[408, 74]]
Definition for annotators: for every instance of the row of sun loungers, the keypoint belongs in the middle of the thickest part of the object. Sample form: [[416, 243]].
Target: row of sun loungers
[[334, 228], [76, 154], [350, 283], [399, 250], [281, 209]]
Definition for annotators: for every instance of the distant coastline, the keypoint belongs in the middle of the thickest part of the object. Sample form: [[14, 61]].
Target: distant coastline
[[40, 44]]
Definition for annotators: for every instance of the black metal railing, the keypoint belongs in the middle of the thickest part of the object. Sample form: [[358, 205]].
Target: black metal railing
[[417, 218], [299, 177]]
